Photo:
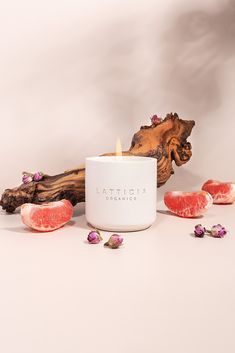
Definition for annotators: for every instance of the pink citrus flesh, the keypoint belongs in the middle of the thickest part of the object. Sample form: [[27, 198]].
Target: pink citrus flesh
[[221, 192], [46, 217], [188, 204]]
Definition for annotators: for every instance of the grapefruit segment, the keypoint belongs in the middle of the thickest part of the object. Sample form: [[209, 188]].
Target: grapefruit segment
[[221, 192], [188, 204], [46, 217]]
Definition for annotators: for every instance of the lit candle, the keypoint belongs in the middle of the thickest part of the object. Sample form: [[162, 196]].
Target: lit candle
[[121, 192]]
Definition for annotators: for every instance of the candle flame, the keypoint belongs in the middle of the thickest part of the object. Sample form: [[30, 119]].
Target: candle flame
[[118, 147]]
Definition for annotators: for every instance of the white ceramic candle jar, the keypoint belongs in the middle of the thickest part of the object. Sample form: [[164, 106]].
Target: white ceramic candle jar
[[121, 192]]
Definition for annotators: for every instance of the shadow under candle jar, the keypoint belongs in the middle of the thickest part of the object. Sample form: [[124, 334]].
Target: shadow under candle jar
[[121, 192]]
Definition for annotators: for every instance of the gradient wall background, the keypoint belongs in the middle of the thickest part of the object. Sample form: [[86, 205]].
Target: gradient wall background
[[77, 74]]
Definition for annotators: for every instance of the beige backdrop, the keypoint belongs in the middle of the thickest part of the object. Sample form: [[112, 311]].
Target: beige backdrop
[[75, 75]]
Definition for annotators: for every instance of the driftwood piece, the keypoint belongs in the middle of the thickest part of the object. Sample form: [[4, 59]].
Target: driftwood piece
[[166, 141]]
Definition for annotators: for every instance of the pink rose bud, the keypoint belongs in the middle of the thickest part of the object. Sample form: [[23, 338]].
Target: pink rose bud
[[94, 237], [114, 241], [37, 176], [218, 231], [199, 231], [156, 119], [27, 178]]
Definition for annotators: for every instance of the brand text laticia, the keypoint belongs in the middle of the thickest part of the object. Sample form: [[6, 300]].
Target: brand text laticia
[[121, 194]]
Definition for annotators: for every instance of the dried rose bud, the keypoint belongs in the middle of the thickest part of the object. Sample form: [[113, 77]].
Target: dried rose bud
[[114, 241], [94, 237], [37, 176], [156, 119], [27, 178], [199, 231], [218, 231]]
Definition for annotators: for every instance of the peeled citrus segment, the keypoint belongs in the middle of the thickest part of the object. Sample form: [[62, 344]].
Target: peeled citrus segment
[[221, 192], [188, 204], [46, 217]]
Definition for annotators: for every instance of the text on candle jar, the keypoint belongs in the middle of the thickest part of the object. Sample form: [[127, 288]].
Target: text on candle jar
[[121, 194]]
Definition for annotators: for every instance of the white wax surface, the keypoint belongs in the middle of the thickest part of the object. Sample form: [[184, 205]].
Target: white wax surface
[[121, 159]]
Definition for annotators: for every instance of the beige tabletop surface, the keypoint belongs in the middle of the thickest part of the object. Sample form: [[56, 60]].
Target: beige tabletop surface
[[164, 291]]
